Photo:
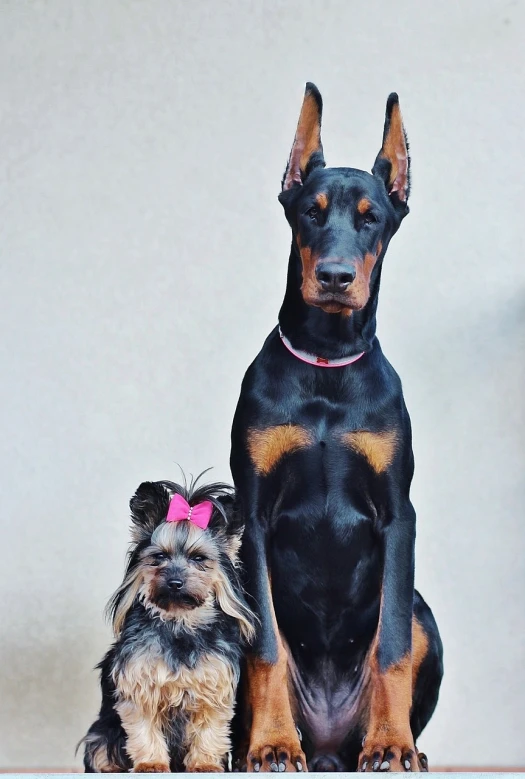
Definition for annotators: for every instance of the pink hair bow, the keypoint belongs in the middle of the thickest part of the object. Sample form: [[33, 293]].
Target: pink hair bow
[[180, 510]]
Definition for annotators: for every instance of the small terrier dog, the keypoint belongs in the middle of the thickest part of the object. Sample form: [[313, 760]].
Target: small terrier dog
[[180, 622]]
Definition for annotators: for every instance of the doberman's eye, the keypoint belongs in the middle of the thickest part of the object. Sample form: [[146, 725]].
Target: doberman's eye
[[369, 218], [313, 214]]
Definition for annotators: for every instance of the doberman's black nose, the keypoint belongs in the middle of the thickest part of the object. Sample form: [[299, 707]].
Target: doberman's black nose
[[175, 584], [334, 276]]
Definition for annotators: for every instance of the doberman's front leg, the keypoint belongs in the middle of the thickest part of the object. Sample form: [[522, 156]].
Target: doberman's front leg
[[389, 744], [274, 742]]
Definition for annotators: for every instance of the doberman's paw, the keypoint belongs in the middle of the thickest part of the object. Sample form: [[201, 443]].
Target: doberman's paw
[[398, 757], [422, 759], [276, 759]]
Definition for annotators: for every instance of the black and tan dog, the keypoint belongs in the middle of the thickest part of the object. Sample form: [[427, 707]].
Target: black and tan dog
[[322, 462], [180, 619]]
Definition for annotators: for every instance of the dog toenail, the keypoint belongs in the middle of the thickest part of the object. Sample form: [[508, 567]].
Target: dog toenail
[[407, 765], [274, 767], [363, 767], [375, 766], [385, 765], [256, 767], [299, 766], [282, 767]]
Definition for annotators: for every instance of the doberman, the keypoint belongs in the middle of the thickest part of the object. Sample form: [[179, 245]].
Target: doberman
[[348, 654]]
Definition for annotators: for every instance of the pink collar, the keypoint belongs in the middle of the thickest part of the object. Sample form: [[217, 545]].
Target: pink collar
[[313, 359]]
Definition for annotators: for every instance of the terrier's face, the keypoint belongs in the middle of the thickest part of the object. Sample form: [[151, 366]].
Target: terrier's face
[[176, 568], [180, 568]]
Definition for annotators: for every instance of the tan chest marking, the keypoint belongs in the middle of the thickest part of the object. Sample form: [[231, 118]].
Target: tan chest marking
[[378, 449], [267, 447]]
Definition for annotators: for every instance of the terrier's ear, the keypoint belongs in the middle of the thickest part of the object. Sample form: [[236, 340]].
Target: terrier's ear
[[149, 507], [231, 513], [392, 164], [230, 525], [307, 149]]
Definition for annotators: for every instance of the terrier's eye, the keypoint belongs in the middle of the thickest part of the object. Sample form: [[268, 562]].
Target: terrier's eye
[[198, 558], [159, 557]]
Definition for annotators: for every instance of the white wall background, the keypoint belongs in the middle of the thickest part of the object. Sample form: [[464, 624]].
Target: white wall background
[[142, 262]]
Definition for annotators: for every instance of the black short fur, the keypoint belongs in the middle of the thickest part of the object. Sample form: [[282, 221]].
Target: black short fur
[[335, 535]]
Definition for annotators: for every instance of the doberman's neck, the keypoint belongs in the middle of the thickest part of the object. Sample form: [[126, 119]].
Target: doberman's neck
[[332, 336]]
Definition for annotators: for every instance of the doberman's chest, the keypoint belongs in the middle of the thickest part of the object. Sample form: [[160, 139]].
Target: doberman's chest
[[321, 445], [323, 491], [320, 417]]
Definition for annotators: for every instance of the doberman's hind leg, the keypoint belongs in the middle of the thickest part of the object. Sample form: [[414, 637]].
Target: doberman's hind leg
[[426, 676], [427, 680]]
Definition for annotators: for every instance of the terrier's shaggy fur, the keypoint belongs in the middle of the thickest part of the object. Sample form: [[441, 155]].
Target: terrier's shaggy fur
[[169, 680]]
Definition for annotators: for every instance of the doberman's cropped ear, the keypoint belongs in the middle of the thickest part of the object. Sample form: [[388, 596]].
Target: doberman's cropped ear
[[392, 164], [307, 150]]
